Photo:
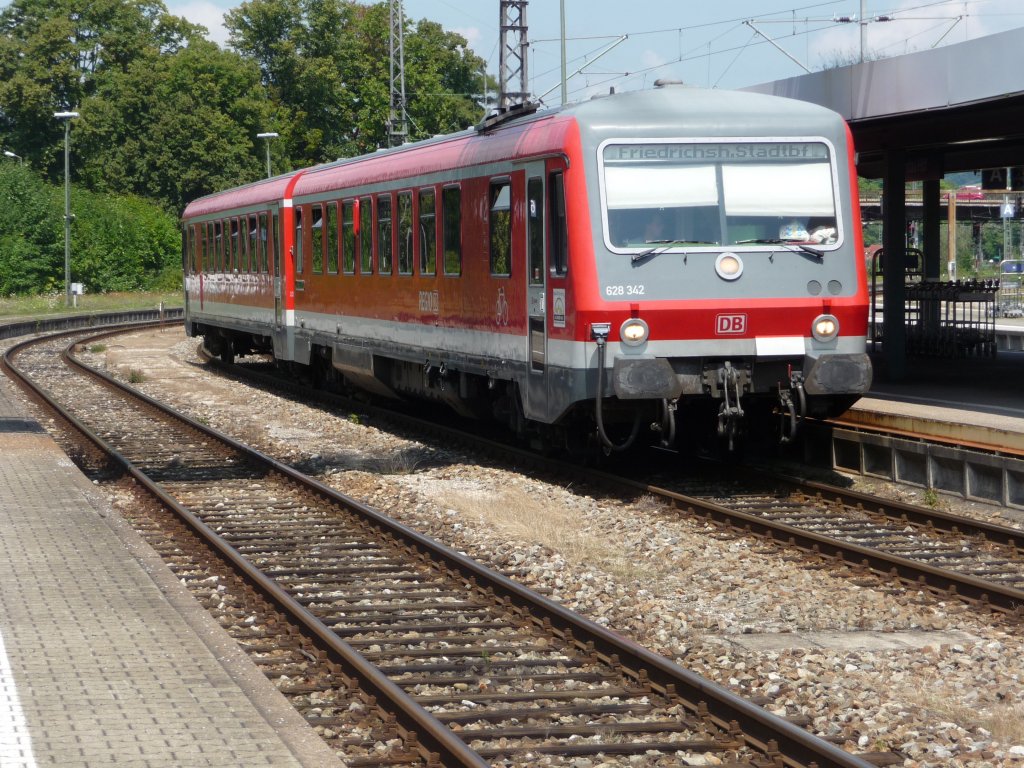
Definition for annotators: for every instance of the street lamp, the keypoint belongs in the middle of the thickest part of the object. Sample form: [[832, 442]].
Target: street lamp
[[19, 158], [268, 136], [67, 117]]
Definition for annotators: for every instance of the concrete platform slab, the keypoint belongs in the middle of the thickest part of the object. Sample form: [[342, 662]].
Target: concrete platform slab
[[105, 659]]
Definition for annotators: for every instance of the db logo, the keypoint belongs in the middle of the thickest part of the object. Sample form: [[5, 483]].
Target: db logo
[[730, 324]]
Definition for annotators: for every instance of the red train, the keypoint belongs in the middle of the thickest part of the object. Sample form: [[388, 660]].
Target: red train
[[589, 275]]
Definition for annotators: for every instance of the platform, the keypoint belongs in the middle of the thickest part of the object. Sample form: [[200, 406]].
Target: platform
[[971, 400], [105, 659], [953, 425]]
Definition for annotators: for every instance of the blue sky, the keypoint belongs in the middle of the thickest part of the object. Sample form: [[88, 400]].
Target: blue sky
[[703, 43]]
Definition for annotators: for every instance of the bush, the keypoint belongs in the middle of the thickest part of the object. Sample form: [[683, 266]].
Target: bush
[[118, 243]]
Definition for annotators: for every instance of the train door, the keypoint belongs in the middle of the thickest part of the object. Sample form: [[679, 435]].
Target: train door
[[276, 249], [536, 288]]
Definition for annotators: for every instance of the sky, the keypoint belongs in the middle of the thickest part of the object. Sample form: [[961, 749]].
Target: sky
[[725, 44]]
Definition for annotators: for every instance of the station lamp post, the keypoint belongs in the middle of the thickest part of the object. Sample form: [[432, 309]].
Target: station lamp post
[[67, 117], [267, 137], [19, 158]]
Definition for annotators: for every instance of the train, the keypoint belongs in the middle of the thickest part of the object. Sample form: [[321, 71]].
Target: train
[[667, 266]]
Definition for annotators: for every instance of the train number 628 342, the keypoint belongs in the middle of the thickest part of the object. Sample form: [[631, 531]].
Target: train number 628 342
[[624, 290]]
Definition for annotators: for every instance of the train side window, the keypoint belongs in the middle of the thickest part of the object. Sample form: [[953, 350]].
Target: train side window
[[253, 232], [428, 233], [535, 228], [501, 227], [201, 246], [348, 237], [316, 231], [263, 242], [188, 248], [236, 247], [365, 235], [298, 241], [275, 244], [217, 257], [384, 244], [451, 229], [242, 241], [332, 238], [559, 225], [207, 252], [405, 233]]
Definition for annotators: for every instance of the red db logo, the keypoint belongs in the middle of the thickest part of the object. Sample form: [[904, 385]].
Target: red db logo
[[730, 324]]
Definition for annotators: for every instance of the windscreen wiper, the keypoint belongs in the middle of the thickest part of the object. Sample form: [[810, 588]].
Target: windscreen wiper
[[779, 241], [660, 247]]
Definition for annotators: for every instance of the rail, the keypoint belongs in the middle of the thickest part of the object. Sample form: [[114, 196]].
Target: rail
[[762, 731]]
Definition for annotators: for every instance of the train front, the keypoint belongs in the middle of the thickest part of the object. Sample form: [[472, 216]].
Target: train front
[[729, 280]]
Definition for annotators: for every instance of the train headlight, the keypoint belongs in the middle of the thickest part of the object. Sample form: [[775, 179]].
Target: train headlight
[[825, 327], [729, 266], [634, 332]]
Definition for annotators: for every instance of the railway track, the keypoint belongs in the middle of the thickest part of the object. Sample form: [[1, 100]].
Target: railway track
[[949, 555], [465, 666]]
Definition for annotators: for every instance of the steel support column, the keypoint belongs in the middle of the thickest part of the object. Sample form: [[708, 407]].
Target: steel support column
[[894, 241]]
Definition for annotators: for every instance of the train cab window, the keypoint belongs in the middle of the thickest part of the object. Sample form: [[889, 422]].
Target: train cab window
[[405, 233], [428, 233], [501, 227], [535, 228], [559, 225], [384, 244], [348, 237], [316, 250], [298, 241], [262, 242], [332, 238], [365, 235], [451, 229]]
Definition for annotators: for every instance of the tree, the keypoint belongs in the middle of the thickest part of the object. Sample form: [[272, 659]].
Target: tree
[[327, 63], [177, 126], [54, 55]]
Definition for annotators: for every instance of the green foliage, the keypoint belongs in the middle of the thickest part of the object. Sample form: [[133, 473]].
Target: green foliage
[[122, 243], [168, 116], [31, 233], [327, 63], [118, 243], [54, 54], [175, 127]]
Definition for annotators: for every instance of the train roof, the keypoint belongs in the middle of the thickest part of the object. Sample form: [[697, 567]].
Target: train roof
[[262, 191], [540, 134], [700, 112], [671, 109]]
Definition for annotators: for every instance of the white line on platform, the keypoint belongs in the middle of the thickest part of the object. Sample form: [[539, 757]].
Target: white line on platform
[[15, 741]]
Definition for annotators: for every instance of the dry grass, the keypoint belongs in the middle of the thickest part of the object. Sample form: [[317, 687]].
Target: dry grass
[[517, 514], [1004, 721]]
